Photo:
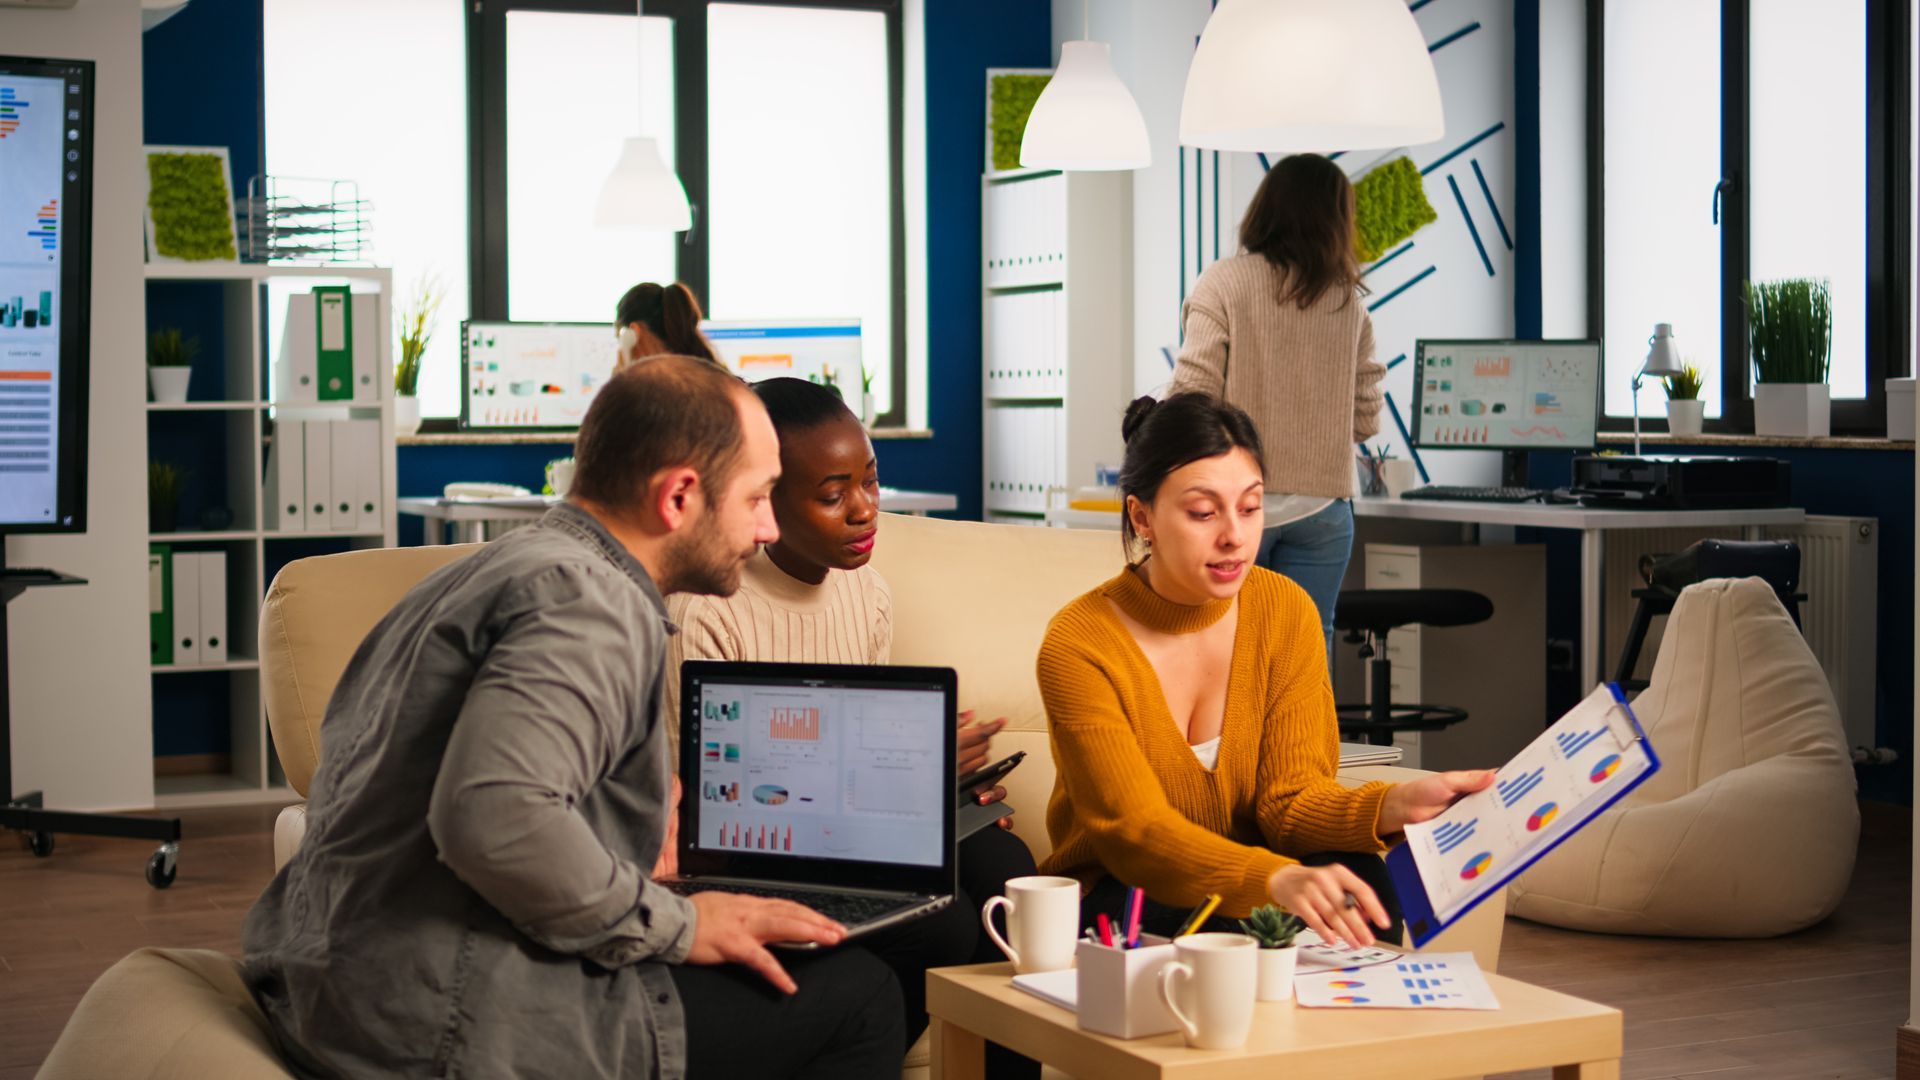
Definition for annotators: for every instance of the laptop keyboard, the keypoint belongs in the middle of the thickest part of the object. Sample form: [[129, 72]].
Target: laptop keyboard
[[843, 908]]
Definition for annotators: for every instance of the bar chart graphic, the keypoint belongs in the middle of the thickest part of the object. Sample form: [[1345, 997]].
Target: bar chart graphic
[[1452, 834], [795, 723], [10, 105], [1572, 742], [1515, 788], [756, 837], [46, 227], [1493, 367]]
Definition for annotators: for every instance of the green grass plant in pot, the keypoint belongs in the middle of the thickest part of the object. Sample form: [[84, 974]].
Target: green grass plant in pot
[[1686, 413], [170, 356], [164, 484], [419, 317], [1275, 931], [1790, 336]]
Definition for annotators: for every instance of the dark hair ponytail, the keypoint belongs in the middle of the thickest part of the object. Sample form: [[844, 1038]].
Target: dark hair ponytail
[[671, 313], [1162, 436]]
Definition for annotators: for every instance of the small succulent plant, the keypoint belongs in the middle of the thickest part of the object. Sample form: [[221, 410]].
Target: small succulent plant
[[1272, 927]]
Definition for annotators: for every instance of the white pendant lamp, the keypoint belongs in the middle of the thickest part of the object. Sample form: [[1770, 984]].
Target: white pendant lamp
[[642, 193], [1085, 120], [1311, 75]]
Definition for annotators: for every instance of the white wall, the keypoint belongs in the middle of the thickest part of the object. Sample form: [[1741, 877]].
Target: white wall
[[1563, 170], [82, 703], [1153, 42]]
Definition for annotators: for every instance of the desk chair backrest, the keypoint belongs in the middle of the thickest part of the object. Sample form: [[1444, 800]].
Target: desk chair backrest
[[316, 614]]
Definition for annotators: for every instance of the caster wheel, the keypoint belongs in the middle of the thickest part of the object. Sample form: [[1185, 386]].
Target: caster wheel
[[40, 843], [162, 866]]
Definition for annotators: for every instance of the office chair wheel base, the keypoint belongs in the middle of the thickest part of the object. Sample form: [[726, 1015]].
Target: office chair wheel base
[[40, 843], [162, 865]]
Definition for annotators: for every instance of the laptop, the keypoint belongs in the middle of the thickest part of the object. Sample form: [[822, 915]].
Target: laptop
[[827, 784]]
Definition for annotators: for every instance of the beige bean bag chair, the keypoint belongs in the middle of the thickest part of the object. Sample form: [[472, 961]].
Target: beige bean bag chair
[[1750, 827]]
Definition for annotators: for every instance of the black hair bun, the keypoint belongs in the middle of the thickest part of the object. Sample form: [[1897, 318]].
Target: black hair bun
[[1137, 413]]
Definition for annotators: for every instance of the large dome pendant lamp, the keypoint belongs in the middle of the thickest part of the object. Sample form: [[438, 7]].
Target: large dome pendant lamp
[[1085, 119], [1293, 76]]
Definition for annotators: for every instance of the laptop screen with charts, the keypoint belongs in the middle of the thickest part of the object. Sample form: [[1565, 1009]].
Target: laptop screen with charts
[[818, 774]]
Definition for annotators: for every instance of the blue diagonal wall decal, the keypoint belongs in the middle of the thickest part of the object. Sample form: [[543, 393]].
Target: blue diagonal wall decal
[[1417, 279], [1471, 230], [1407, 437], [1464, 147], [1491, 205], [1418, 4], [1387, 258], [1265, 165], [1396, 361], [1453, 37]]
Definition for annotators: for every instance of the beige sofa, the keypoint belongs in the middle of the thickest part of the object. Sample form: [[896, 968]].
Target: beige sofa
[[969, 596]]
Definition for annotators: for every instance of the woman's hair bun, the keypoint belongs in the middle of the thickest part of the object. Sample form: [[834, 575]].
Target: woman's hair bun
[[1137, 413]]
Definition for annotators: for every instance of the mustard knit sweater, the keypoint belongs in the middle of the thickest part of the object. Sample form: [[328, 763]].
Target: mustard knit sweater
[[1308, 378], [1131, 799]]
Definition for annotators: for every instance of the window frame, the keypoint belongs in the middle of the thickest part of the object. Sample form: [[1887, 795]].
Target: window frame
[[487, 149], [1889, 256]]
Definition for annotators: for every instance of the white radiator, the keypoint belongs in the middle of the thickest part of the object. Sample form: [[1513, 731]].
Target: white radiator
[[1839, 572]]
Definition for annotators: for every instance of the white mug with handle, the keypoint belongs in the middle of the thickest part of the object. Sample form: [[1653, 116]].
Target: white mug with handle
[[1218, 971], [1043, 919]]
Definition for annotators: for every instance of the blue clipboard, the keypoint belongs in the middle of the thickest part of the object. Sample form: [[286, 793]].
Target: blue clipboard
[[1416, 910]]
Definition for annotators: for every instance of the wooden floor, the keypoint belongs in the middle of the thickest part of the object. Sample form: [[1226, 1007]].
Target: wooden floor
[[1821, 1004]]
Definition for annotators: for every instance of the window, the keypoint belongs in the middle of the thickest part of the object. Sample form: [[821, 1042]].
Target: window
[[800, 181], [1739, 140], [784, 119], [401, 137]]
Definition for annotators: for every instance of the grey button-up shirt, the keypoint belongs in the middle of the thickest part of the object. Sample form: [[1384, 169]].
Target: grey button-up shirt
[[471, 898]]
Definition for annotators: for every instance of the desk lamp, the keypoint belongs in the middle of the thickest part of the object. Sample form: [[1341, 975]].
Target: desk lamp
[[1663, 359]]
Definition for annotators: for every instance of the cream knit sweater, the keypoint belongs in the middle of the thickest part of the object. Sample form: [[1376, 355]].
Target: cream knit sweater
[[1308, 378]]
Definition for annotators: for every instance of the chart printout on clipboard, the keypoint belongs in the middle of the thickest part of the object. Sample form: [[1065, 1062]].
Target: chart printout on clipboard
[[1578, 767]]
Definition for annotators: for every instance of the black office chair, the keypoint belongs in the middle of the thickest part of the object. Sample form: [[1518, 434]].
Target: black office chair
[[1777, 562], [1368, 616]]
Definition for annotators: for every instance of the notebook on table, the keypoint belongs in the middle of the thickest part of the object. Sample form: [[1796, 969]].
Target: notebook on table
[[1587, 761], [830, 785]]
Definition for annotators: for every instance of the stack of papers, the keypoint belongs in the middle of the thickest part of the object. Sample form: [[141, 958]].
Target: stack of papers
[[1355, 754], [1412, 981]]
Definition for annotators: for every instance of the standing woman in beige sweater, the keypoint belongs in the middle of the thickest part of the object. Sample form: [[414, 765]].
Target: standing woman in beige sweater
[[1281, 332]]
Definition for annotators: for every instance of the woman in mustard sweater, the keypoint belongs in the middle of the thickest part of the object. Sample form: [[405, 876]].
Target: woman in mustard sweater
[[1190, 712]]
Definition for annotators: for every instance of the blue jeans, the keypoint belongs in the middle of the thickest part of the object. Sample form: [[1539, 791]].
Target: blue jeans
[[1314, 552]]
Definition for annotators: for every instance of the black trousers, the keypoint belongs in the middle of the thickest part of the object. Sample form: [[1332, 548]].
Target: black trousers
[[844, 1022], [953, 936], [1110, 896]]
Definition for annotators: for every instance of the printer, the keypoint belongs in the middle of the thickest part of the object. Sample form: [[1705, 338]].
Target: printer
[[1618, 481]]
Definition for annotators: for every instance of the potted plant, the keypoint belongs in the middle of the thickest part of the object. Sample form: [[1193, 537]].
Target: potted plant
[[419, 317], [1275, 931], [164, 483], [1685, 411], [170, 356], [1790, 334], [866, 395]]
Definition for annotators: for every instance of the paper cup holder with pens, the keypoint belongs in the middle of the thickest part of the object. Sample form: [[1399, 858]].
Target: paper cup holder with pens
[[1118, 991]]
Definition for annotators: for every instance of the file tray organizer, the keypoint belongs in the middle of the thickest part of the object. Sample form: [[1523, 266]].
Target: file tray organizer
[[1119, 989]]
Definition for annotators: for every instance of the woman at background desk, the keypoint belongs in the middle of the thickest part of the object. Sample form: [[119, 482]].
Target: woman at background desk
[[1279, 330], [654, 319], [811, 597], [1190, 714]]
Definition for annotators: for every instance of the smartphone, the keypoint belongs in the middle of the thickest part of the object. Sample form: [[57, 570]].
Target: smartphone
[[987, 775]]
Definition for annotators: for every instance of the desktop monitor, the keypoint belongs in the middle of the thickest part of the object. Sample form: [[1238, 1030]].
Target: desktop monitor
[[532, 376], [1505, 395], [46, 189], [820, 350]]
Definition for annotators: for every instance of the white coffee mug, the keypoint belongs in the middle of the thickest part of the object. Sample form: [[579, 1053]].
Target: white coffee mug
[[1215, 1006], [560, 476], [1043, 919], [1398, 475]]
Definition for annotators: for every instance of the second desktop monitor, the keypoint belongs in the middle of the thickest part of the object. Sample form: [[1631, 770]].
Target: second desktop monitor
[[1505, 395]]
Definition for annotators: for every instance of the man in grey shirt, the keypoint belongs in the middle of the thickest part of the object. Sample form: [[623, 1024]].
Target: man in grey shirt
[[470, 898]]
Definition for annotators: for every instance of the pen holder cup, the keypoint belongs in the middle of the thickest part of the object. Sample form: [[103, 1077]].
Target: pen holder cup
[[1119, 989]]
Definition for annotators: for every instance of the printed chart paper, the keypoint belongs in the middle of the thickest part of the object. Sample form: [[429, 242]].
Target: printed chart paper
[[1413, 981]]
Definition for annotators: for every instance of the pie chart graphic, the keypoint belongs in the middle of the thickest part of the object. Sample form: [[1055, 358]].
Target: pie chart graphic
[[1540, 818], [1607, 767], [1345, 984], [1476, 866], [770, 794], [1349, 999]]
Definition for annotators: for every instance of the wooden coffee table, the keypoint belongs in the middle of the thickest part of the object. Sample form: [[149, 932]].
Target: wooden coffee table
[[1533, 1028]]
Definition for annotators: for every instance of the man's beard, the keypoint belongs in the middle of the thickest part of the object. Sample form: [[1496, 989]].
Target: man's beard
[[703, 562]]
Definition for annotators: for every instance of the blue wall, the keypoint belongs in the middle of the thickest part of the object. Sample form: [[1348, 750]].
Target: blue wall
[[202, 83]]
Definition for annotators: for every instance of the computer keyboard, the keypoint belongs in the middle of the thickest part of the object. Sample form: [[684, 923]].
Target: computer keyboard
[[1462, 493], [843, 908]]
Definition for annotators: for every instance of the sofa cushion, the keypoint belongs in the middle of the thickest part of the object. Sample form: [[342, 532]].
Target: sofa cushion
[[977, 598], [166, 1014], [1754, 766]]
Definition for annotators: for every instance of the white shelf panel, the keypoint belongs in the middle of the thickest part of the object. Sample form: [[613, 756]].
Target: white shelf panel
[[184, 537], [205, 406], [239, 663], [360, 535], [254, 271]]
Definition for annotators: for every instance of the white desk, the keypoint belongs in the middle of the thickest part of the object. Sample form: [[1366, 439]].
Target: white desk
[[1590, 523], [467, 518]]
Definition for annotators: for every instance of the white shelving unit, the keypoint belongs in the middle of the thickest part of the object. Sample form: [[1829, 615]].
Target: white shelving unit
[[253, 551], [1056, 333]]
